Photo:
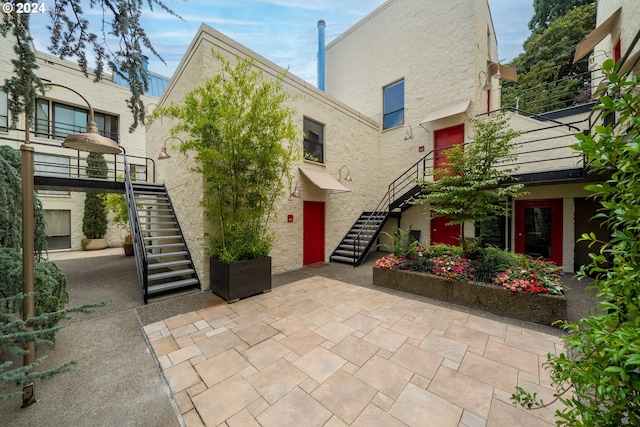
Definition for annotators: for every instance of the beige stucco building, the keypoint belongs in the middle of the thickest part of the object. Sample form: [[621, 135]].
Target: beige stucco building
[[396, 92], [59, 112]]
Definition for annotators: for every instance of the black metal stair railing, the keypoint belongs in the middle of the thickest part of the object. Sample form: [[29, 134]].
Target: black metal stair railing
[[136, 234], [406, 186], [398, 188]]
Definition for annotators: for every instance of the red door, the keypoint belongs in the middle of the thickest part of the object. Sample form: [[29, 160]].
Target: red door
[[313, 229], [443, 139], [539, 229], [442, 233]]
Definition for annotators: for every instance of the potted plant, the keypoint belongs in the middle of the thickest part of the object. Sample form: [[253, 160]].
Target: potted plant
[[94, 220], [237, 125], [117, 204]]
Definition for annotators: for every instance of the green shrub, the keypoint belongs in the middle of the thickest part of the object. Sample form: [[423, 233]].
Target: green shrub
[[401, 243], [94, 220], [597, 378], [494, 260]]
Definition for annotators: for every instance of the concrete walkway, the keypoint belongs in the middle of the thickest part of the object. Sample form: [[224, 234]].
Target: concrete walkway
[[324, 342]]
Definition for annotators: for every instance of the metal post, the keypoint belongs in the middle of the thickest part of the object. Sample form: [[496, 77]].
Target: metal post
[[28, 226]]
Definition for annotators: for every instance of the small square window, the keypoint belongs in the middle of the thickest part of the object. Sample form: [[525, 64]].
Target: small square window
[[313, 144], [393, 109]]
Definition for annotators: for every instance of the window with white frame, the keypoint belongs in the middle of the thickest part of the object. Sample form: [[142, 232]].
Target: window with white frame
[[393, 108], [58, 231], [4, 111], [313, 145]]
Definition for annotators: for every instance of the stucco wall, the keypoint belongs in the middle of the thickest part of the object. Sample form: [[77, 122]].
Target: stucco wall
[[438, 48], [628, 26], [350, 140]]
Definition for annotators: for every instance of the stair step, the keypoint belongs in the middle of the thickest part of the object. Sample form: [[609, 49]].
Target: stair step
[[162, 287], [154, 202], [155, 216], [350, 247], [165, 246], [168, 264], [158, 192], [339, 258], [171, 273], [155, 210], [363, 236], [166, 255], [161, 230], [152, 238], [158, 223], [346, 253]]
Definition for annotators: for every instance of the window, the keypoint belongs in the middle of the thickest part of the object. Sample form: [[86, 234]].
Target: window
[[393, 105], [56, 121], [42, 118], [58, 229], [138, 173], [313, 141], [52, 165], [67, 120], [4, 111]]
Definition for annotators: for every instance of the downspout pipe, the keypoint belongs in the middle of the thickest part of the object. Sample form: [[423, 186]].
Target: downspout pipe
[[321, 27]]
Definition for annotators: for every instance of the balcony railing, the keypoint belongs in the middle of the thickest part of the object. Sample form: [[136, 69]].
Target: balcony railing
[[50, 129], [555, 95], [54, 160]]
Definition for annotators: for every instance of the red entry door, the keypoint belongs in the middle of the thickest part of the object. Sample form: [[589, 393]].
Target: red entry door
[[443, 139], [442, 233], [313, 228], [539, 229]]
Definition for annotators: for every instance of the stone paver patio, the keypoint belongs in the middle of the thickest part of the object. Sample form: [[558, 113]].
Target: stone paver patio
[[320, 352]]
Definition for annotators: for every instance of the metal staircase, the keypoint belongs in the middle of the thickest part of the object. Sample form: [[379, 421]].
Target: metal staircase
[[163, 260], [361, 238]]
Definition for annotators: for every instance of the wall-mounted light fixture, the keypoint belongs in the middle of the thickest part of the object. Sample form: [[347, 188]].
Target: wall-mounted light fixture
[[163, 152], [295, 192], [409, 133], [493, 70], [347, 176], [487, 81]]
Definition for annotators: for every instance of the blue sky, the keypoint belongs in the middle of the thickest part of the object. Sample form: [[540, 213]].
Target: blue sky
[[284, 31]]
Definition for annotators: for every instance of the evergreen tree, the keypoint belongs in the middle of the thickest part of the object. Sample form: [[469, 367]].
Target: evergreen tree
[[547, 11], [71, 35], [95, 220], [547, 77]]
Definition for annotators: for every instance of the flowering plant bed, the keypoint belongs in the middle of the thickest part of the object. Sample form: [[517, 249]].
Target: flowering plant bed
[[533, 307], [496, 281]]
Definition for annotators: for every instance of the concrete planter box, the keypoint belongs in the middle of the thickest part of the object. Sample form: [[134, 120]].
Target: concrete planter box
[[537, 308], [240, 279], [94, 244]]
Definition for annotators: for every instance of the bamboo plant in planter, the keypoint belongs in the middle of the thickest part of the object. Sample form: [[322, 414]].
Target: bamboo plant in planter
[[117, 205], [239, 128]]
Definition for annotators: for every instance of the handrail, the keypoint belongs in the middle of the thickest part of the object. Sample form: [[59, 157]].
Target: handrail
[[136, 233], [75, 166], [423, 169]]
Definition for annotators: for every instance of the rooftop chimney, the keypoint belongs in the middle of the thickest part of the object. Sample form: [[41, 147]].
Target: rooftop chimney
[[321, 26]]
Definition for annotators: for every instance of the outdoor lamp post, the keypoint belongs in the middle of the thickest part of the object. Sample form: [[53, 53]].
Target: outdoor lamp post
[[90, 141]]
